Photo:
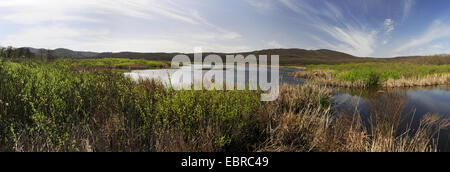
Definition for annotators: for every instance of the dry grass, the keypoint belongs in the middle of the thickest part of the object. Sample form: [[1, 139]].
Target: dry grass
[[109, 68], [332, 82], [291, 120], [430, 80], [313, 74], [308, 126], [327, 78]]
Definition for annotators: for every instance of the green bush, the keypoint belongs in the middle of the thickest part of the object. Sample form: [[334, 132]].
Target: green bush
[[49, 107]]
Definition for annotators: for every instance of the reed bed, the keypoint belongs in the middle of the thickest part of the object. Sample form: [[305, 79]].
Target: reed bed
[[429, 80], [328, 78], [315, 128]]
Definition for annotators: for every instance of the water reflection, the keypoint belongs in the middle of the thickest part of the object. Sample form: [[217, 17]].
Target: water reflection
[[414, 103], [165, 75], [423, 99]]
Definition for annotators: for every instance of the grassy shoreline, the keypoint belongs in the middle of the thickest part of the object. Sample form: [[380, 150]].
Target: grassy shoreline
[[49, 107], [365, 75], [117, 64]]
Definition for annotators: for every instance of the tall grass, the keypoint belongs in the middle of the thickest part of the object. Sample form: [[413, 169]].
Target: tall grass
[[313, 127], [49, 107], [376, 74], [117, 64]]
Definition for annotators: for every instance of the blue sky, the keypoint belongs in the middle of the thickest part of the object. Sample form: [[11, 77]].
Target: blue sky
[[377, 28]]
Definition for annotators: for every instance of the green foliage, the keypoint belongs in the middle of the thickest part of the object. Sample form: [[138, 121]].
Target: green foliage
[[374, 73], [113, 62], [11, 52], [49, 107]]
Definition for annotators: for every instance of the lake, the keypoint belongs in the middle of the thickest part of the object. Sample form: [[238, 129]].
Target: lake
[[417, 101], [163, 75]]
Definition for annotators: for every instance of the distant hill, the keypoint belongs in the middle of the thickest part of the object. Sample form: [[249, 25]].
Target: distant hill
[[136, 55], [301, 56], [287, 56], [62, 52]]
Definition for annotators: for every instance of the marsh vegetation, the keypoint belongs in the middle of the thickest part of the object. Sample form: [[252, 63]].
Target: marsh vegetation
[[377, 74], [49, 106]]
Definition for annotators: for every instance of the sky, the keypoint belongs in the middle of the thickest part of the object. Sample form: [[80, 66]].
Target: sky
[[366, 28]]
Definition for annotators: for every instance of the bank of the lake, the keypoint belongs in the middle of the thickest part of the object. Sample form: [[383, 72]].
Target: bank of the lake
[[377, 74], [416, 103]]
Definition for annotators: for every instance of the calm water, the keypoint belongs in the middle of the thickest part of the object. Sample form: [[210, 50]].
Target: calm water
[[423, 100], [418, 101], [163, 75]]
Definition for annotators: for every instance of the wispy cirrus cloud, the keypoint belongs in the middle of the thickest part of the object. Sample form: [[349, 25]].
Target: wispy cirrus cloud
[[261, 4], [363, 27], [350, 40], [95, 39], [438, 30], [388, 29], [52, 36], [75, 24], [389, 26], [350, 37], [407, 7], [36, 11]]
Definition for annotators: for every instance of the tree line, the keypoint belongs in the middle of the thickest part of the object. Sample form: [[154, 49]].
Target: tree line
[[11, 52]]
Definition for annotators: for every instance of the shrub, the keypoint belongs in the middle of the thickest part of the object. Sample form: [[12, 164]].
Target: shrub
[[48, 107]]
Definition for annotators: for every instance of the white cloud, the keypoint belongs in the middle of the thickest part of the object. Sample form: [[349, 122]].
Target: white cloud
[[389, 26], [275, 44], [429, 49], [94, 40], [39, 11], [407, 7], [163, 43], [260, 4], [436, 31], [354, 39], [35, 11], [224, 33], [305, 9], [40, 16], [51, 36], [388, 29], [62, 32], [333, 11], [437, 46]]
